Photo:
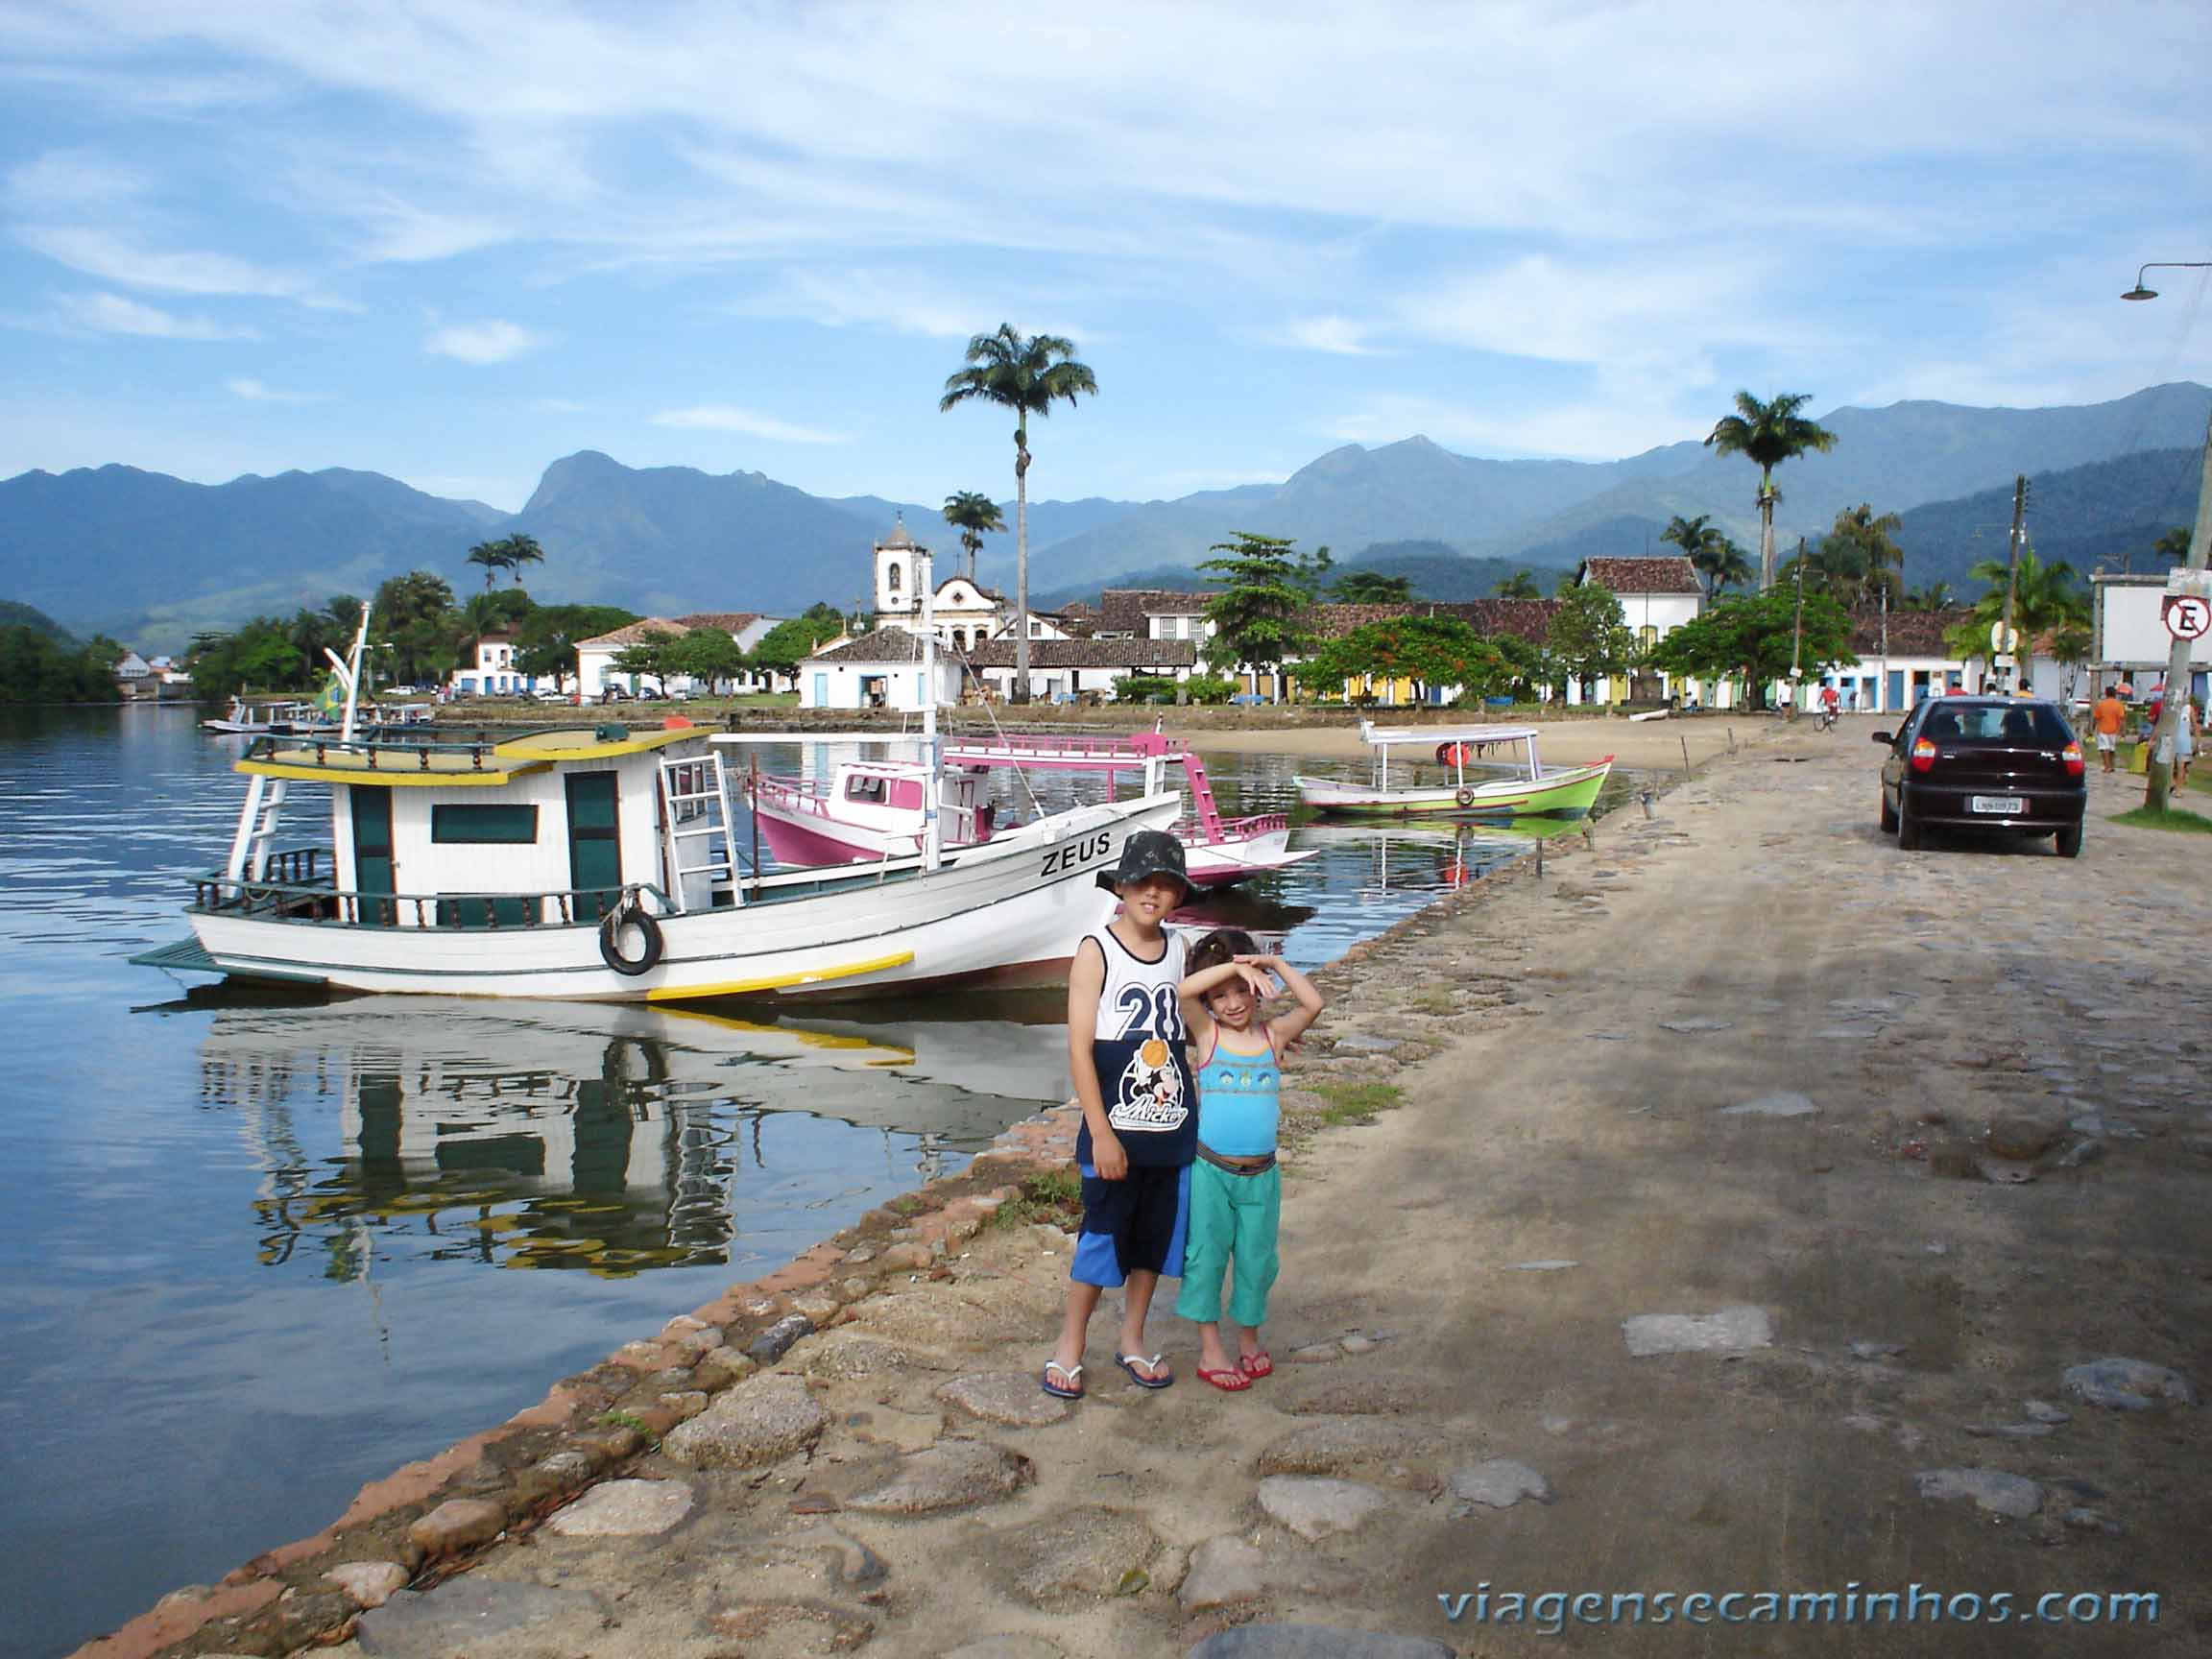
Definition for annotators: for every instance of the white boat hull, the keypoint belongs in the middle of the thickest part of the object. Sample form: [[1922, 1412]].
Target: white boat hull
[[1009, 911]]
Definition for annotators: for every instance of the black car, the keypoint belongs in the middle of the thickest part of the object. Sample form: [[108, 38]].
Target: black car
[[1984, 763]]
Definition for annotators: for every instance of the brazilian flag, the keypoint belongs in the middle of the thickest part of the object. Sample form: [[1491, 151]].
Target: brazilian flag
[[333, 701]]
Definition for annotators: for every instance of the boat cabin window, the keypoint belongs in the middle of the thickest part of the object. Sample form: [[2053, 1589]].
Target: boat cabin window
[[870, 790], [472, 826]]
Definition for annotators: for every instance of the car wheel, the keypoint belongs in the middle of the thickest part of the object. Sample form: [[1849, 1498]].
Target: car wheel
[[1911, 839], [2069, 842], [1888, 817]]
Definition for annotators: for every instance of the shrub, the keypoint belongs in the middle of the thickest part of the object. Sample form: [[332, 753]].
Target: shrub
[[1209, 688]]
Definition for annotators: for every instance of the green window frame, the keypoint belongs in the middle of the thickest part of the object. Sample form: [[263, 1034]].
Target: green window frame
[[501, 823]]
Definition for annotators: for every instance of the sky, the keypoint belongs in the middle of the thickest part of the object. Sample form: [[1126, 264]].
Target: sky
[[455, 241]]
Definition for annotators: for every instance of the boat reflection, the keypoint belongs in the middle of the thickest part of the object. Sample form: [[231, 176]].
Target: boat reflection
[[606, 1137]]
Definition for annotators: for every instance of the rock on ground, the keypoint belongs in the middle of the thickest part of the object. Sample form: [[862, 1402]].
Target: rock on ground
[[1005, 1648], [1347, 1448], [758, 1422], [1223, 1570], [1315, 1506], [2128, 1385], [625, 1509], [1499, 1483], [466, 1615], [1991, 1489], [1313, 1642], [1773, 1106], [458, 1524], [953, 1475], [1011, 1398], [1073, 1554], [368, 1583], [1729, 1330]]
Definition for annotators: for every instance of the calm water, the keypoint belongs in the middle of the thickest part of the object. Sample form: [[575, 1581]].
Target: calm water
[[255, 1250]]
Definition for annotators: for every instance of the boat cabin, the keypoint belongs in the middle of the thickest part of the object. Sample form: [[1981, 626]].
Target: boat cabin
[[887, 795]]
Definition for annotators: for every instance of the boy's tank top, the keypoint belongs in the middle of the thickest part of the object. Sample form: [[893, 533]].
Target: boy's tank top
[[1141, 1051], [1240, 1101]]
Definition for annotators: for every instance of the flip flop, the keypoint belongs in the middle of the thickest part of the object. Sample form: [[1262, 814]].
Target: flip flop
[[1073, 1374], [1256, 1365], [1129, 1363], [1228, 1381]]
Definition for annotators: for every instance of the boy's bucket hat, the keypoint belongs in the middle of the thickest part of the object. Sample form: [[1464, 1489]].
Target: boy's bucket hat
[[1147, 852]]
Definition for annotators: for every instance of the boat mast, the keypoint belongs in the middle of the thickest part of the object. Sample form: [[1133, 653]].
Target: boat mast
[[348, 674], [932, 745]]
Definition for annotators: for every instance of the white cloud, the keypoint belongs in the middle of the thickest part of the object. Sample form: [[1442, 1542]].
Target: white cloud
[[254, 392], [495, 341], [1338, 336], [113, 314], [725, 417], [64, 179], [101, 253]]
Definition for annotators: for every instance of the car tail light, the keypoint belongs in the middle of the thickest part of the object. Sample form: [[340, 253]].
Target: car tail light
[[1923, 755], [2072, 755]]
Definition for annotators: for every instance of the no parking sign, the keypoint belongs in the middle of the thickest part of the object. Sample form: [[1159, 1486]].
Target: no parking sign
[[2186, 616]]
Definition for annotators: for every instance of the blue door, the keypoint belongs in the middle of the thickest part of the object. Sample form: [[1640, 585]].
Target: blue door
[[821, 691], [1895, 699]]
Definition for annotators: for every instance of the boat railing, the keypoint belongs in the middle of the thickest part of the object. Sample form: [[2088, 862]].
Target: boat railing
[[1073, 748], [1194, 831], [312, 900], [381, 754]]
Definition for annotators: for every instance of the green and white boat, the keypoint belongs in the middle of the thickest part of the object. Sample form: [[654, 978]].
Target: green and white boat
[[1486, 772]]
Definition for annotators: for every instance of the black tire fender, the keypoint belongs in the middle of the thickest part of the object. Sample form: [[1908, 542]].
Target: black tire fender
[[1465, 797], [631, 915]]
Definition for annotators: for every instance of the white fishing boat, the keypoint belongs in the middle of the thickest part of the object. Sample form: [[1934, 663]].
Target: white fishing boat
[[266, 717], [871, 809], [605, 866], [1485, 771]]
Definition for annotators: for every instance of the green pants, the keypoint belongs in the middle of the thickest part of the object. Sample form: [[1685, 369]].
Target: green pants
[[1233, 1220]]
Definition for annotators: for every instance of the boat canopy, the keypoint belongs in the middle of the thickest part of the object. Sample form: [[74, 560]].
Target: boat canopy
[[444, 764], [1435, 736]]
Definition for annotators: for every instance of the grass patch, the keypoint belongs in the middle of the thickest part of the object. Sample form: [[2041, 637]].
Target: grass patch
[[1436, 999], [1055, 1195], [906, 1205], [624, 1420], [1357, 1102], [2171, 818]]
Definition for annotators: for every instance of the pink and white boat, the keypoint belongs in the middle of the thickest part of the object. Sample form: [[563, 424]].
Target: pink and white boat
[[871, 809]]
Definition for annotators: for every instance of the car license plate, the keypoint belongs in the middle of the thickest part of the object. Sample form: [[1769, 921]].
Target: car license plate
[[2003, 805]]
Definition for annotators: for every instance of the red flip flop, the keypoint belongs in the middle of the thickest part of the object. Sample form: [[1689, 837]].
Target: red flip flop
[[1256, 1365], [1228, 1381]]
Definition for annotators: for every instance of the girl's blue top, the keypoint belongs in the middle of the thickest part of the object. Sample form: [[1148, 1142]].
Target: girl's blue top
[[1240, 1101]]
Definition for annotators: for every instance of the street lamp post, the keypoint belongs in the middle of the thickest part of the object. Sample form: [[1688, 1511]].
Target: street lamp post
[[2159, 768]]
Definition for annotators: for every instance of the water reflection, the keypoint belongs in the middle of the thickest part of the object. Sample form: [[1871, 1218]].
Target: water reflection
[[602, 1138]]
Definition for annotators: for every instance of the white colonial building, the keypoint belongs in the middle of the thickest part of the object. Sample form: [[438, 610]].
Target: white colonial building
[[595, 669], [494, 673], [962, 613], [881, 669]]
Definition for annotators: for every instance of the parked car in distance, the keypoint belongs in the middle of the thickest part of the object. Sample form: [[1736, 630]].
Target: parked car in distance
[[613, 695], [1984, 763]]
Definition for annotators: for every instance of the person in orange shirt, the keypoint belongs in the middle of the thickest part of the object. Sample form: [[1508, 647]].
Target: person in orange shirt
[[2107, 719]]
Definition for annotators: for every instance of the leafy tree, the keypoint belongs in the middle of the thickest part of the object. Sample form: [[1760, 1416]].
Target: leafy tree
[[490, 612], [1521, 585], [2171, 547], [1209, 688], [1723, 565], [1868, 545], [1431, 651], [1752, 636], [1590, 637], [522, 551], [415, 614], [549, 634], [493, 557], [1371, 588], [789, 644], [652, 657], [1934, 596], [706, 655], [1692, 536], [1527, 664], [1025, 375], [1311, 572], [2047, 597], [39, 664], [975, 514], [1769, 434], [1260, 617]]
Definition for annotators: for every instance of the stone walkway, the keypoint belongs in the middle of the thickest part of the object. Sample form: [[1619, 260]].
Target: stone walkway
[[1741, 1205]]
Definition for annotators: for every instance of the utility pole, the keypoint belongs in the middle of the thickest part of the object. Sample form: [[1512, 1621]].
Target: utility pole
[[1797, 629], [1882, 690], [2160, 767], [2013, 576]]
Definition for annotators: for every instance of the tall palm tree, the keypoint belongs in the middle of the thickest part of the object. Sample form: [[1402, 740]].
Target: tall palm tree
[[1873, 539], [1693, 536], [2046, 598], [1724, 565], [975, 514], [522, 551], [1934, 596], [1024, 375], [1769, 434], [492, 556], [1521, 585]]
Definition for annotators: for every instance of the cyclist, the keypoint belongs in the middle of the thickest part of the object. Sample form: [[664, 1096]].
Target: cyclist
[[1829, 699]]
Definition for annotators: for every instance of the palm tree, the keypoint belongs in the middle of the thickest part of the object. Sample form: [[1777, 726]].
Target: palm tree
[[1935, 597], [1025, 376], [1693, 536], [494, 556], [973, 514], [2046, 598], [1726, 565], [522, 551], [1521, 585], [1769, 434], [1371, 588], [1874, 540]]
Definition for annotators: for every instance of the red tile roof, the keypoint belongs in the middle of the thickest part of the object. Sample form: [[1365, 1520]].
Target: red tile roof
[[1123, 609], [1530, 618], [727, 621], [1089, 653], [1674, 575], [1912, 633]]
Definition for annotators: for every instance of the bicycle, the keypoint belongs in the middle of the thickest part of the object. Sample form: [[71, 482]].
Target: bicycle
[[1827, 720]]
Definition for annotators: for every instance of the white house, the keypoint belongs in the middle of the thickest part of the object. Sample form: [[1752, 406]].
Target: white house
[[494, 673], [1065, 667], [1657, 596], [879, 670], [1153, 614], [595, 668]]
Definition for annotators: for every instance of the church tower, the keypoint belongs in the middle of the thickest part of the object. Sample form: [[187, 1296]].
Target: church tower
[[895, 599]]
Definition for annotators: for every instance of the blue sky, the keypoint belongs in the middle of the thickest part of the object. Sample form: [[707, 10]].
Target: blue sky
[[455, 241]]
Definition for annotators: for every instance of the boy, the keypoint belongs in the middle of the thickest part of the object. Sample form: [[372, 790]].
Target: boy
[[1126, 1051], [1236, 1189]]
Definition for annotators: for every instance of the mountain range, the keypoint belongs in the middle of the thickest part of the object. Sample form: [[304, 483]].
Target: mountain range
[[149, 559]]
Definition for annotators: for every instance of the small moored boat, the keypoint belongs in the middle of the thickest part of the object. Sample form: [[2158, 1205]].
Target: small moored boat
[[1487, 771]]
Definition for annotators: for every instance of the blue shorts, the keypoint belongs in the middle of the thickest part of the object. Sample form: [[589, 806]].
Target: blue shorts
[[1134, 1225]]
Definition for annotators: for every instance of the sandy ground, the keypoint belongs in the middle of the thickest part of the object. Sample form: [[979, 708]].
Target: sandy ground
[[1643, 745], [1560, 1152]]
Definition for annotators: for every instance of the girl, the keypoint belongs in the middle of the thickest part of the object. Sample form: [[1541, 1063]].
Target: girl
[[1236, 1189]]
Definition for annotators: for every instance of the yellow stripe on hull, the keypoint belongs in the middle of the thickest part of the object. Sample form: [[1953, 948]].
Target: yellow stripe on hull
[[778, 981]]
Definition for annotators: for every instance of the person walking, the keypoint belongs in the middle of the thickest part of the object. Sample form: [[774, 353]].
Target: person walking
[[2108, 719]]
